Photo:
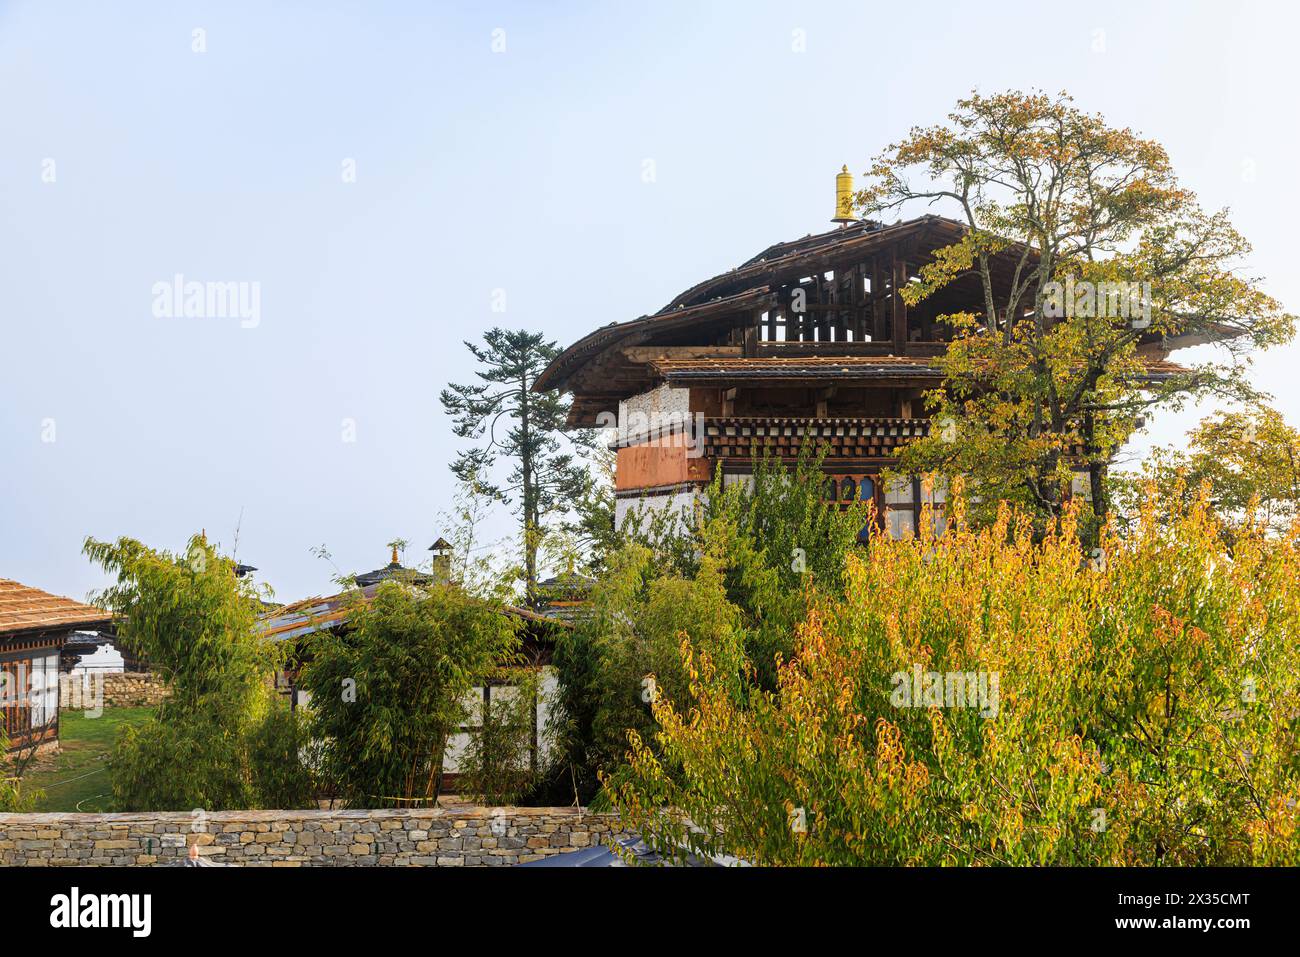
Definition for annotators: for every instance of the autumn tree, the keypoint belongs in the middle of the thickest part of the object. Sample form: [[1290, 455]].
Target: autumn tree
[[1046, 377], [510, 421], [1249, 459], [986, 698]]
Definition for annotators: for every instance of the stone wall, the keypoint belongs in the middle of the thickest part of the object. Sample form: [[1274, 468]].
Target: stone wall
[[464, 836], [127, 689]]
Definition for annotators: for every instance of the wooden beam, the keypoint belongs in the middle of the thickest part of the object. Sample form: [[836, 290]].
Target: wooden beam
[[874, 348], [642, 354], [900, 307]]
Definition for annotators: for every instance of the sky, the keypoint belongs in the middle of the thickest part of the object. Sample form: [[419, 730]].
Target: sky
[[379, 179]]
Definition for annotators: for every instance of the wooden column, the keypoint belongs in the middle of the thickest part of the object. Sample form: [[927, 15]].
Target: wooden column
[[857, 299], [793, 320], [900, 307], [879, 327]]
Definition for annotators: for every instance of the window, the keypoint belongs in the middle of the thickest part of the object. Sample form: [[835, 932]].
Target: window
[[935, 494], [44, 694], [847, 488], [900, 507], [36, 694]]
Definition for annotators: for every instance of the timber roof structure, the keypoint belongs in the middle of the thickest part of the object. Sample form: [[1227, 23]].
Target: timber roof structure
[[877, 370], [753, 284], [703, 334]]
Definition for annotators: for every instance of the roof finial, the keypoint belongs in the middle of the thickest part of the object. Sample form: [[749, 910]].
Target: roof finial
[[843, 197], [394, 554]]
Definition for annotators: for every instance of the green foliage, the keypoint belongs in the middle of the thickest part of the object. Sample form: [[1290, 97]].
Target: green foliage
[[194, 622], [1136, 709], [184, 759], [736, 576], [1249, 459], [276, 747], [775, 541], [497, 766], [1036, 384], [190, 618], [14, 797], [387, 692], [509, 420]]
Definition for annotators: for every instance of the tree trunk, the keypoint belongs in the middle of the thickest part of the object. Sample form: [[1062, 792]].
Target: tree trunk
[[529, 493], [1097, 485]]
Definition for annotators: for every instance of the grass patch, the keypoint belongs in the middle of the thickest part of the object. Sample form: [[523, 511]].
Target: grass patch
[[78, 779]]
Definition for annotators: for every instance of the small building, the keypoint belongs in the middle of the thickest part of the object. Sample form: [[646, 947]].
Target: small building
[[33, 628], [565, 597], [537, 633], [399, 572]]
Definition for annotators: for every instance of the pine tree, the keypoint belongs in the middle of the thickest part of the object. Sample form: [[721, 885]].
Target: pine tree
[[510, 421]]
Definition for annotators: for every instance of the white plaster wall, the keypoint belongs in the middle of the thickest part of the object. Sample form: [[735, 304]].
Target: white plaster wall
[[106, 658], [457, 743], [680, 503], [661, 408]]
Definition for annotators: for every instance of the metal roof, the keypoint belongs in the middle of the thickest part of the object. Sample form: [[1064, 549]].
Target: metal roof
[[322, 613]]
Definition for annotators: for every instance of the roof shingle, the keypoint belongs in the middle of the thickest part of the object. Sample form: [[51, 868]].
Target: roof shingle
[[23, 608]]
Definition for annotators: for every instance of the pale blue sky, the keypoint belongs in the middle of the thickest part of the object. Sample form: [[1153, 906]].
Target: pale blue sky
[[475, 171]]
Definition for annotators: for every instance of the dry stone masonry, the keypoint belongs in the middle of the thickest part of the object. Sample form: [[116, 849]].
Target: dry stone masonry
[[449, 837], [128, 689]]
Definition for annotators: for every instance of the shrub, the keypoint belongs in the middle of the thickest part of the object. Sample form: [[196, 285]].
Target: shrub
[[498, 766], [737, 576], [217, 741], [281, 776], [1144, 711], [387, 693]]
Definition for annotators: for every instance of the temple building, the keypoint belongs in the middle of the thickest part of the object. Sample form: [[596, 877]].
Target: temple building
[[808, 340]]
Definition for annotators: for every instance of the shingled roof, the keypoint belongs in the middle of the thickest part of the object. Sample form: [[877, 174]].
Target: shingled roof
[[25, 609]]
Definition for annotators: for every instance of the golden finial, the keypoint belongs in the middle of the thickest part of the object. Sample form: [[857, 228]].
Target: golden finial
[[843, 197]]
